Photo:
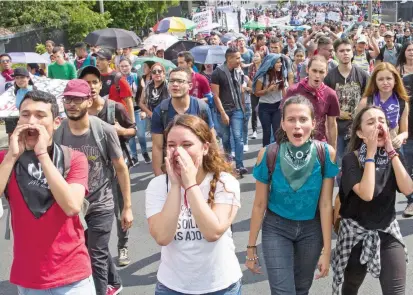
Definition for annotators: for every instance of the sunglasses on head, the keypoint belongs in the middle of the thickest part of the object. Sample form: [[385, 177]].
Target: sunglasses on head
[[154, 72]]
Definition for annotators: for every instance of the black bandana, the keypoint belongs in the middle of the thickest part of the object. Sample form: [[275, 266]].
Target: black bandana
[[383, 166], [33, 183]]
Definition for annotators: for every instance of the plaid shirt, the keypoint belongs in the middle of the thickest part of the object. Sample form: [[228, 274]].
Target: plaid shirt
[[352, 233]]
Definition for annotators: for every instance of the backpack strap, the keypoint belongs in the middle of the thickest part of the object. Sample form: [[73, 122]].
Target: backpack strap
[[116, 79], [96, 126], [321, 154], [164, 112], [272, 153], [58, 134], [110, 112], [203, 110]]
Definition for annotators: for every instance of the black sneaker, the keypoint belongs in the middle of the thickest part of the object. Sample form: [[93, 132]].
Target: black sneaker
[[147, 158], [135, 162], [241, 171]]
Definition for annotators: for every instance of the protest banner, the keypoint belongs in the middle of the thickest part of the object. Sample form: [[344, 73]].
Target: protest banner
[[203, 21], [320, 17]]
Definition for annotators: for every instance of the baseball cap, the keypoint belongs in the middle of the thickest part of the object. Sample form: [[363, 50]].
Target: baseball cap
[[388, 33], [104, 53], [77, 87], [22, 72], [89, 70], [362, 39]]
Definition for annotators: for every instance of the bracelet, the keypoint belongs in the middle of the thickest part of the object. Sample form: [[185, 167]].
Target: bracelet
[[393, 156], [251, 259], [391, 153], [38, 155], [251, 247], [185, 200], [369, 160]]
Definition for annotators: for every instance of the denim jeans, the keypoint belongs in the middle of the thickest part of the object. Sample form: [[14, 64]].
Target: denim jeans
[[254, 103], [247, 116], [234, 289], [408, 156], [97, 240], [141, 129], [270, 116], [217, 123], [291, 251], [341, 151], [84, 287], [236, 121], [123, 236]]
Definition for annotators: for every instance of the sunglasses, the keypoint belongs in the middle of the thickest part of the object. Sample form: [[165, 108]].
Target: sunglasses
[[5, 61], [75, 99], [154, 72]]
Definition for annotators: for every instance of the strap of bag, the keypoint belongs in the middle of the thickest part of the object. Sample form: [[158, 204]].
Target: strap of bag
[[164, 112], [321, 154], [100, 137], [272, 153], [111, 112]]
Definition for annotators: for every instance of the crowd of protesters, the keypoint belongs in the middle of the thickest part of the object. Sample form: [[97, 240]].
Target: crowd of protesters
[[333, 104]]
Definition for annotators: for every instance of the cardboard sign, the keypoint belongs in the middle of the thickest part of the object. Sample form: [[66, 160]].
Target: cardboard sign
[[320, 17], [203, 21]]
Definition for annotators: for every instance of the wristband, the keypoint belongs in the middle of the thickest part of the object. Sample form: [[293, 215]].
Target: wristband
[[251, 259], [249, 247], [38, 155], [185, 200], [369, 160], [393, 155]]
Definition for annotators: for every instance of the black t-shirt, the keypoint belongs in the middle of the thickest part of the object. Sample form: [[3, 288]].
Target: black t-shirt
[[219, 78], [349, 92], [380, 211]]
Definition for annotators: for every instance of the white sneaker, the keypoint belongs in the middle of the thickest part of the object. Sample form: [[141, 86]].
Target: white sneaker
[[233, 154], [254, 135], [246, 148]]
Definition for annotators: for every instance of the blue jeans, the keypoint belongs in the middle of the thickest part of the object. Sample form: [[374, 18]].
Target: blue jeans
[[236, 121], [291, 251], [341, 151], [234, 289], [270, 116], [217, 124], [247, 116], [408, 156], [141, 126], [84, 287]]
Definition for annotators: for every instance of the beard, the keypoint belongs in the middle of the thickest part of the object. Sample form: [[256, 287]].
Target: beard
[[78, 117]]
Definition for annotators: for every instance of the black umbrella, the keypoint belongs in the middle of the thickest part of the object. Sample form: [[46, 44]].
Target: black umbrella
[[171, 53], [113, 38]]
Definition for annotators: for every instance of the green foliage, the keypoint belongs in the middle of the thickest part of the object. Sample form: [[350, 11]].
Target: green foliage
[[40, 48], [135, 15]]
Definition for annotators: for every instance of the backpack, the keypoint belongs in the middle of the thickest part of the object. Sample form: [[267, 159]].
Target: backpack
[[272, 154], [203, 111], [114, 77], [67, 158]]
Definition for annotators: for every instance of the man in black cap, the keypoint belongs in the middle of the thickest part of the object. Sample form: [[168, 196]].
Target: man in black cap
[[114, 85]]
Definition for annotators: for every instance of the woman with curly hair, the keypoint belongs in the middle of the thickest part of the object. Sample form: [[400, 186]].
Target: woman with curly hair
[[190, 211]]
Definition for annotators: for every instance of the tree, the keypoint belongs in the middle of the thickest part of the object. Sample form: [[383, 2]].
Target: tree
[[135, 15]]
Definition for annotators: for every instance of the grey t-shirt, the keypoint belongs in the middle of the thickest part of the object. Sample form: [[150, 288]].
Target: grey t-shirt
[[270, 97], [100, 176]]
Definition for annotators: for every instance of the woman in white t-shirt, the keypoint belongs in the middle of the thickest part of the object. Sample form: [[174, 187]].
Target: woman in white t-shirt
[[190, 211]]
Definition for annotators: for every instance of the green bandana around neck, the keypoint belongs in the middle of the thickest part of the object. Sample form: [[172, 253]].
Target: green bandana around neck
[[297, 163]]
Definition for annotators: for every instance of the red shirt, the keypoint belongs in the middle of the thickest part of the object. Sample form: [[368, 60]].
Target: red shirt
[[49, 252], [124, 91], [323, 109], [200, 86]]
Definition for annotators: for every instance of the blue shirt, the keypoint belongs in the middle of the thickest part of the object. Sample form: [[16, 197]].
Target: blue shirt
[[157, 124], [21, 92], [283, 200]]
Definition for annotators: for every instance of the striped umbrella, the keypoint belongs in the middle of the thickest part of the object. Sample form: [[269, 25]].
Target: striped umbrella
[[174, 24]]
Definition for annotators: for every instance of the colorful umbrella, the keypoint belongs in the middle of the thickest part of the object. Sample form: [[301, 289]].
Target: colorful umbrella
[[54, 86], [27, 58], [138, 64], [163, 41], [174, 24], [254, 25]]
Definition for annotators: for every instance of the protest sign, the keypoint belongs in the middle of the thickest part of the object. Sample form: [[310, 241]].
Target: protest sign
[[203, 21]]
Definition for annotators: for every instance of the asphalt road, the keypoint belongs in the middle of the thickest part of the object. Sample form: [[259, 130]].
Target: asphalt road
[[140, 276]]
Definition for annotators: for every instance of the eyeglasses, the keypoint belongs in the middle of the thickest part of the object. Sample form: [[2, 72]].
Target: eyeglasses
[[177, 81], [5, 61], [154, 72], [75, 99]]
